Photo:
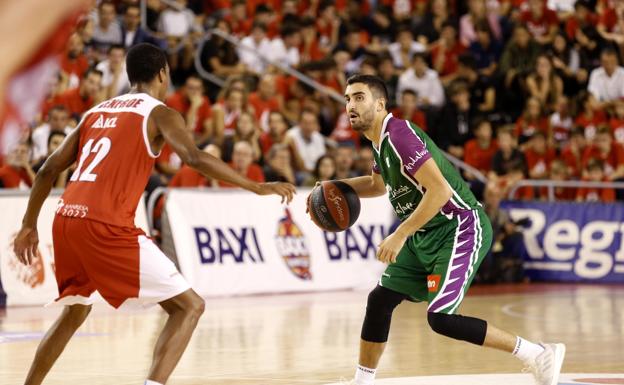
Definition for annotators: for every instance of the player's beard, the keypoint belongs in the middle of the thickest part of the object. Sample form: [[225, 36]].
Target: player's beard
[[364, 121]]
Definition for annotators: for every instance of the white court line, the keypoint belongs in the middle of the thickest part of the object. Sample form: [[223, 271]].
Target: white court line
[[178, 377]]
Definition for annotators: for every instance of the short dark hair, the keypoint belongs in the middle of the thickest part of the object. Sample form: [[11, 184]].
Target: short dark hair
[[55, 133], [143, 62], [92, 70], [116, 46], [609, 50], [377, 86], [595, 164], [57, 107], [409, 91]]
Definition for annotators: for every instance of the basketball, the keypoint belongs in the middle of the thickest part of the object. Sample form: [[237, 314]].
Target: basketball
[[334, 206]]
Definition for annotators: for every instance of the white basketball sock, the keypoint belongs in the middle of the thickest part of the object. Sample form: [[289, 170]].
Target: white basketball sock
[[149, 382], [527, 351], [364, 375]]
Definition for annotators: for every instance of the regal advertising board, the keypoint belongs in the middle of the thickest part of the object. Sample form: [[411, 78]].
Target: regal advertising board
[[34, 284], [570, 241], [234, 242]]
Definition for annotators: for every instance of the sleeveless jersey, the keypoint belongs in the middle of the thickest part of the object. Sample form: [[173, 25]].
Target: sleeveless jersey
[[115, 161], [402, 151]]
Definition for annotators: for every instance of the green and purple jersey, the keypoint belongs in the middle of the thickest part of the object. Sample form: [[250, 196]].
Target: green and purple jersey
[[403, 149]]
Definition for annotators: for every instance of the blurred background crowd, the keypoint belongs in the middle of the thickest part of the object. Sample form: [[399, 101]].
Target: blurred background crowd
[[517, 89]]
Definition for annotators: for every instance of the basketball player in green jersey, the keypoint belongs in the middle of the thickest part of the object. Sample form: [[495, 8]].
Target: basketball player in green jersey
[[435, 252]]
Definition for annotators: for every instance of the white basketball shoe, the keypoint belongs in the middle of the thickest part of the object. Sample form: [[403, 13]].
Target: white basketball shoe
[[547, 366]]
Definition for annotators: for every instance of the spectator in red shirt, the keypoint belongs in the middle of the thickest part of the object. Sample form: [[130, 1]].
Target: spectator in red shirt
[[572, 152], [17, 172], [541, 22], [538, 156], [594, 172], [591, 115], [558, 172], [311, 49], [478, 152], [78, 100], [408, 109], [74, 62], [616, 123], [226, 113], [266, 98], [531, 121], [242, 162], [608, 152], [189, 177], [240, 24], [581, 19], [508, 168], [561, 123], [609, 25], [191, 102], [328, 24], [445, 52], [246, 130], [278, 126]]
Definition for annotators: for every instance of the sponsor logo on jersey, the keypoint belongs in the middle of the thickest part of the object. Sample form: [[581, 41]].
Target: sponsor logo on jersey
[[433, 283], [102, 122], [399, 192], [291, 246], [71, 210], [404, 209], [413, 160]]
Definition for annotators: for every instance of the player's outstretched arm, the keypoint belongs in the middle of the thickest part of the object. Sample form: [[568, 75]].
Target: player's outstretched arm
[[27, 240], [368, 186], [171, 126]]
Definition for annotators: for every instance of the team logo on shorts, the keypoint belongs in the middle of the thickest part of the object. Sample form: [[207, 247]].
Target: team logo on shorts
[[292, 247], [433, 283]]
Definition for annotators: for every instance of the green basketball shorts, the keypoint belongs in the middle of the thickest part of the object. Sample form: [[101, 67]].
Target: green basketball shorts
[[438, 265]]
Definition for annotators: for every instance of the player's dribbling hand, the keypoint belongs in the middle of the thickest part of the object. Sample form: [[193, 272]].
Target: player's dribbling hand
[[25, 245], [285, 190], [390, 247]]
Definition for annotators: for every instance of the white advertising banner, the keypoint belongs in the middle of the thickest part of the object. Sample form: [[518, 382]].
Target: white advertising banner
[[34, 284], [235, 242]]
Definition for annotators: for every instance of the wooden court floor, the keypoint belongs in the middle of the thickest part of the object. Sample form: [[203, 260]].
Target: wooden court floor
[[313, 338]]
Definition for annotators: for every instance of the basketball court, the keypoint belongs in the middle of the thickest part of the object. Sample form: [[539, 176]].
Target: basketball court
[[313, 339]]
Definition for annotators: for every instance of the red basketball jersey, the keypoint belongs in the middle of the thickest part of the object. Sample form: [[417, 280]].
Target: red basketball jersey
[[115, 161]]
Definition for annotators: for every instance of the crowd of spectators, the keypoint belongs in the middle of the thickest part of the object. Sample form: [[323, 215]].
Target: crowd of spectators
[[516, 88]]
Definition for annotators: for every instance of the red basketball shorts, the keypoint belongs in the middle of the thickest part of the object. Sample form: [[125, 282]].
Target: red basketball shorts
[[120, 263]]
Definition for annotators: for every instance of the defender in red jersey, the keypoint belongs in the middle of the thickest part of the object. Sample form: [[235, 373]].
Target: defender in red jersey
[[96, 244]]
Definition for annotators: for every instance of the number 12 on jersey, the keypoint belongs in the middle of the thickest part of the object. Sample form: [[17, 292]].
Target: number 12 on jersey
[[101, 149]]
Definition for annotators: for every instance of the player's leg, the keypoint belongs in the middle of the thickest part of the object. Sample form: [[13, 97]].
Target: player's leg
[[184, 311], [74, 288], [455, 270], [375, 329], [55, 340], [398, 282]]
